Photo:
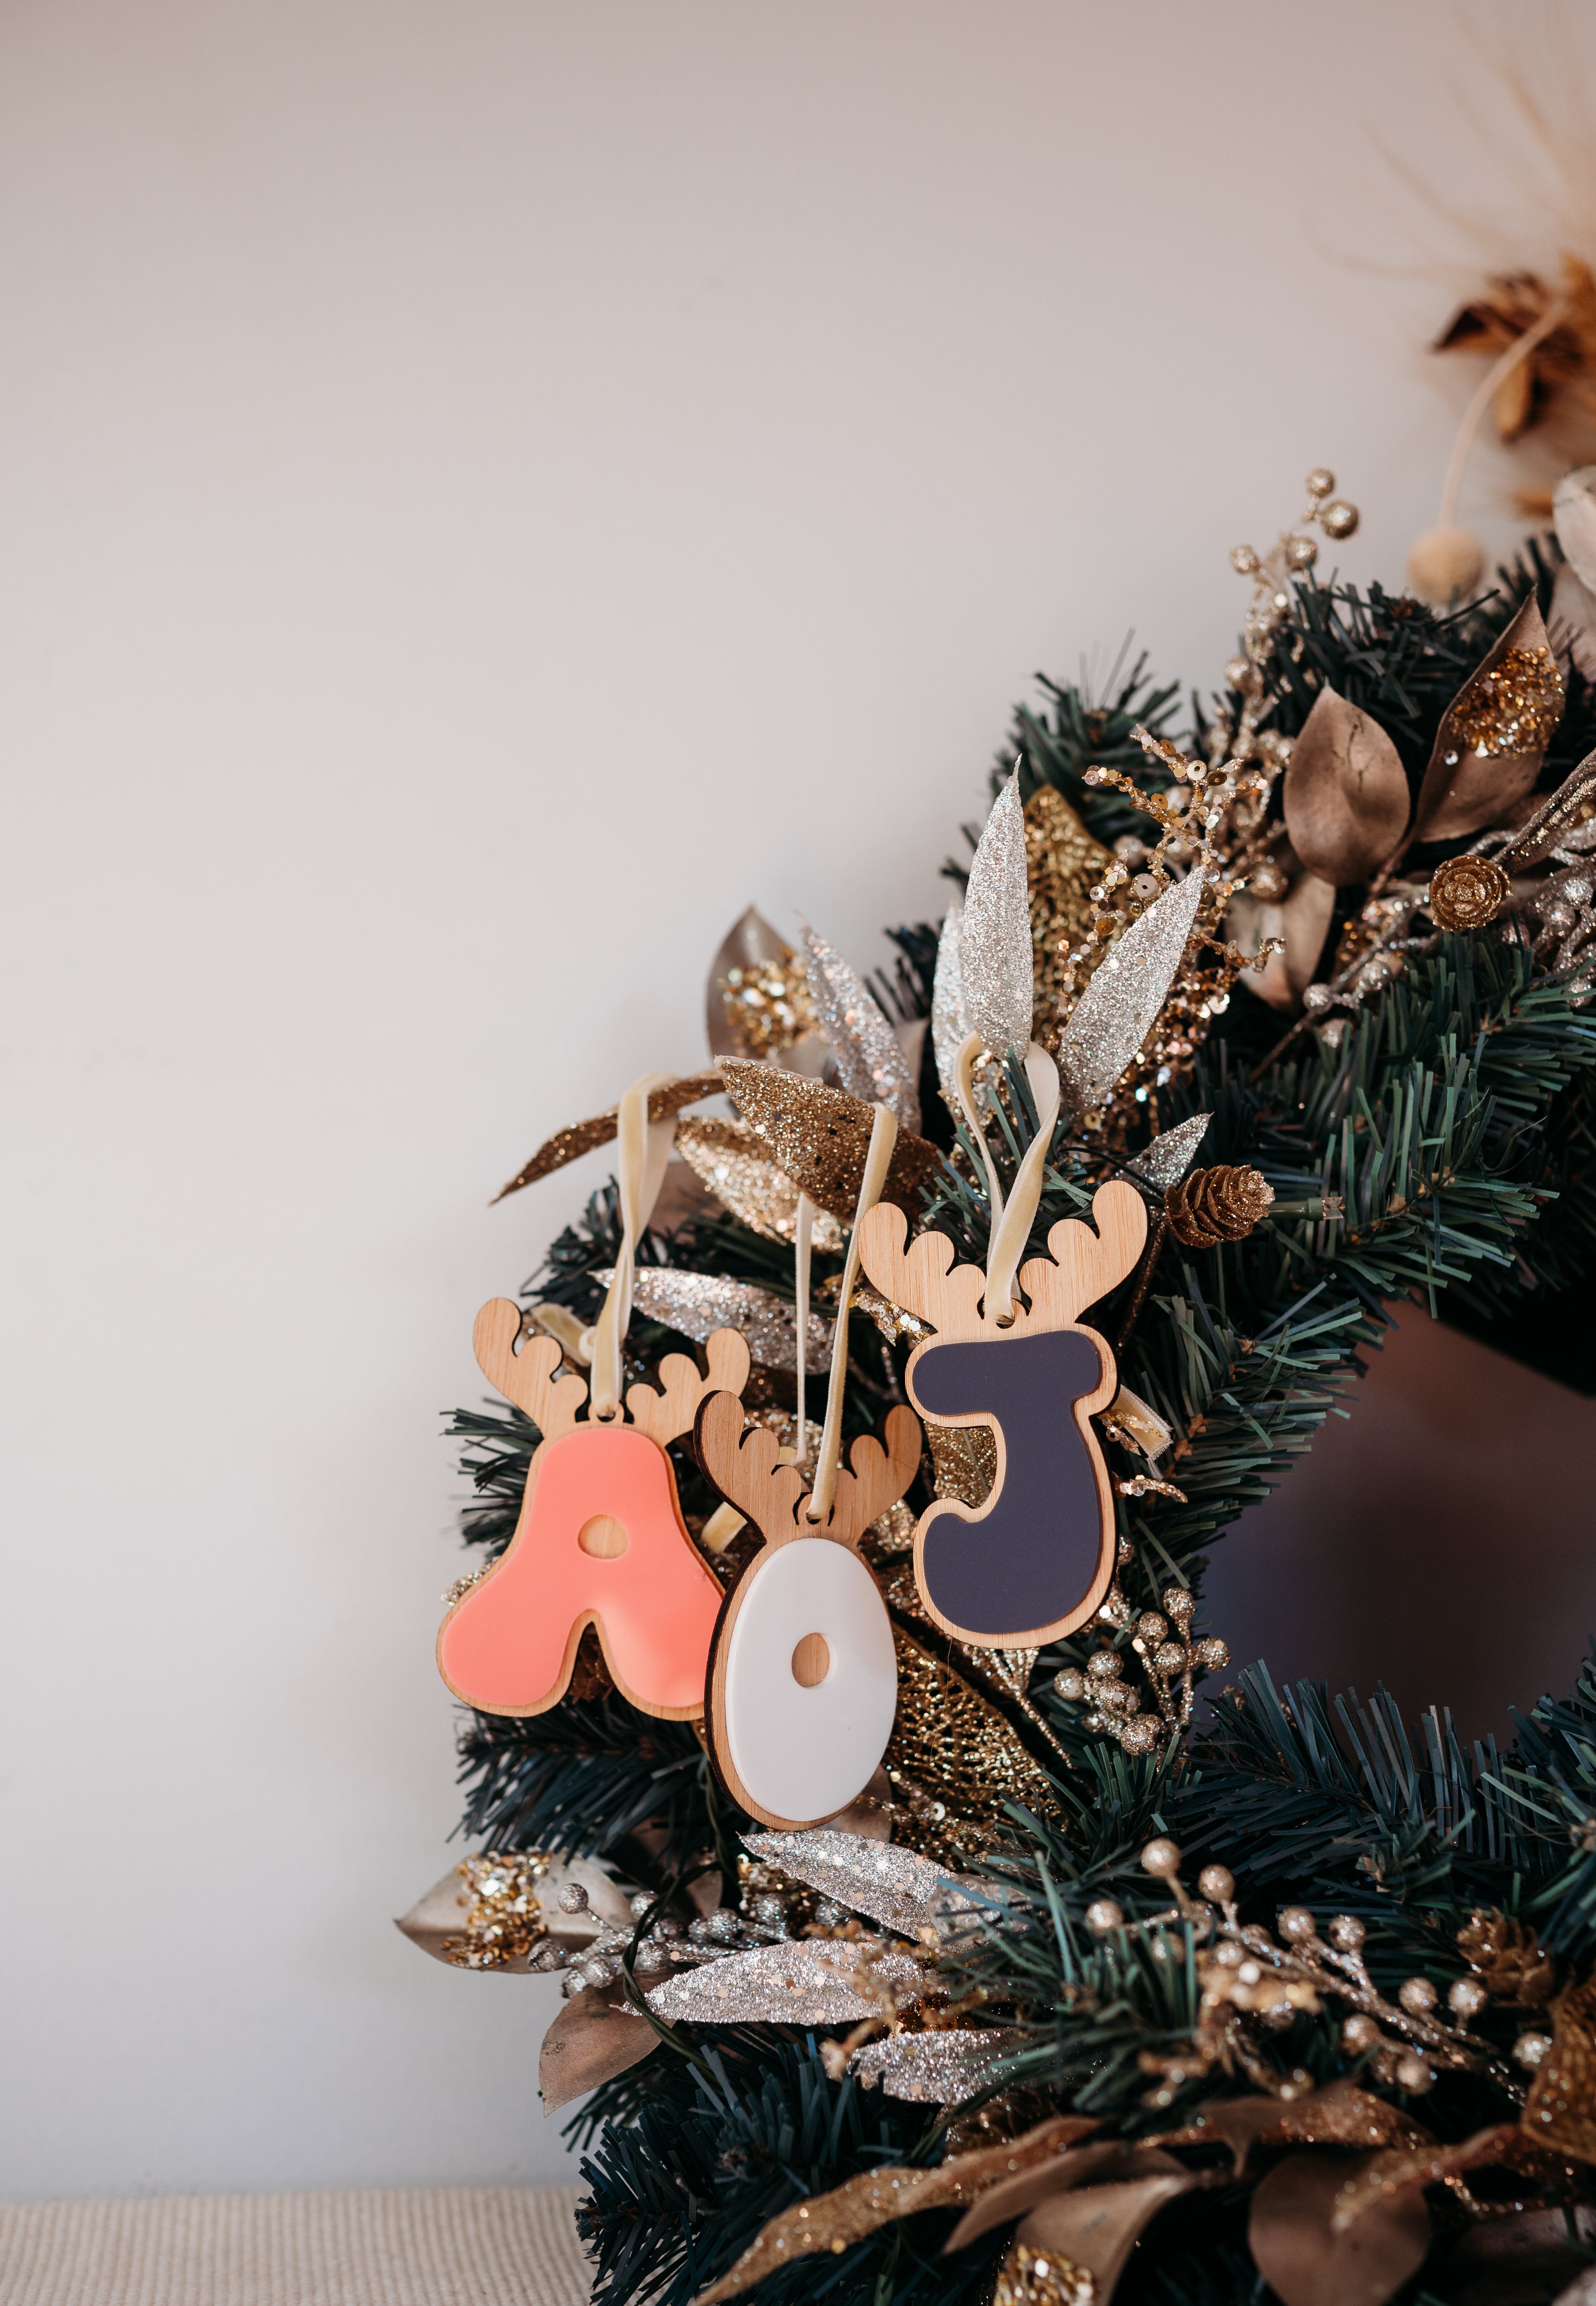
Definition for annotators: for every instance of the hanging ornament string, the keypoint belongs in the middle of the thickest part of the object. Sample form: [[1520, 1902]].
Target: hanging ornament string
[[644, 1147], [969, 1049], [883, 1136], [800, 1279], [1012, 1218], [1012, 1221]]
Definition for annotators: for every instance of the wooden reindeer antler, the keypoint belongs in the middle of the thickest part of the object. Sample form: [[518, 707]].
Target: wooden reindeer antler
[[662, 1415], [528, 1377], [1082, 1266], [877, 1480], [924, 1280], [744, 1467]]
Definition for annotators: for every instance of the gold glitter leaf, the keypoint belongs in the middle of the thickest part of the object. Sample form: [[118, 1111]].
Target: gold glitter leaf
[[963, 1460], [584, 1136], [735, 1163], [1560, 2111], [1401, 2169], [1061, 862], [948, 1739], [833, 2222], [1493, 735], [821, 1136]]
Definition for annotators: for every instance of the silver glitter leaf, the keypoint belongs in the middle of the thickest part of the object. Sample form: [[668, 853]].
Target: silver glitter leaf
[[700, 1303], [870, 1063], [939, 2069], [893, 1885], [1115, 1013], [994, 941], [1169, 1157], [950, 1024], [799, 1982]]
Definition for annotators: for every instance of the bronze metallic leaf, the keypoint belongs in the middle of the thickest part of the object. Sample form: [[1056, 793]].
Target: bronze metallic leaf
[[1493, 735], [1346, 793]]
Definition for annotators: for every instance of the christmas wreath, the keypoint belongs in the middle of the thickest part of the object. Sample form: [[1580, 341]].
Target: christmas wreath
[[967, 1953]]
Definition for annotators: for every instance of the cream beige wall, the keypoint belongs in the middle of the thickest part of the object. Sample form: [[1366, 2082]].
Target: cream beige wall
[[486, 491]]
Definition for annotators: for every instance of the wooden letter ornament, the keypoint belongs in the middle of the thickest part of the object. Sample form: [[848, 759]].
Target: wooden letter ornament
[[1036, 1559], [600, 1540], [802, 1681]]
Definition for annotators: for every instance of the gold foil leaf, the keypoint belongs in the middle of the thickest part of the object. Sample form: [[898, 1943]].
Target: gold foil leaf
[[582, 1136], [735, 1163], [592, 2040], [821, 1136], [1346, 793], [1305, 2262], [1493, 735], [1401, 2169], [1098, 2227]]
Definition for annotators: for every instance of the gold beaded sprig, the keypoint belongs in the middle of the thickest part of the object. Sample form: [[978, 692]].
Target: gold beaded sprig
[[1252, 1983], [1169, 1655]]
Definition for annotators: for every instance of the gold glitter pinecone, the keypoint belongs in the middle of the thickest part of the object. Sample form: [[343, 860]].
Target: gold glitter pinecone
[[1215, 1204], [1465, 892]]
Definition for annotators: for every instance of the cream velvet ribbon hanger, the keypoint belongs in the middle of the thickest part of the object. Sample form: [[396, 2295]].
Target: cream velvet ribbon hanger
[[883, 1136], [1011, 1220], [644, 1147]]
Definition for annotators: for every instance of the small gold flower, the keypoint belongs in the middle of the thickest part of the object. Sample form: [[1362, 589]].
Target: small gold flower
[[1465, 892]]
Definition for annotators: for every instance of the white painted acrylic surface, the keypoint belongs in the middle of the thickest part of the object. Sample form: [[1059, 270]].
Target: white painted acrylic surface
[[804, 1754]]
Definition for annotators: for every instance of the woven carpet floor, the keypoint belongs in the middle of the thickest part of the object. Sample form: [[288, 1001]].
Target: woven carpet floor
[[456, 2246]]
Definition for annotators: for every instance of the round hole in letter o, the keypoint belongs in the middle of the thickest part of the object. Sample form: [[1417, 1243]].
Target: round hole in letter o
[[811, 1660], [603, 1537]]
